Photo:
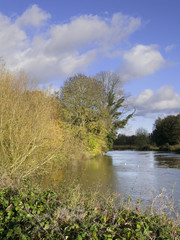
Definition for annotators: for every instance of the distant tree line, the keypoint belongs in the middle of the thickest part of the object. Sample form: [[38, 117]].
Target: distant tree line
[[165, 135], [166, 131], [141, 140]]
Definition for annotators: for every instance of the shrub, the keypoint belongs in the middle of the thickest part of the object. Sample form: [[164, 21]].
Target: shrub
[[30, 133], [72, 214]]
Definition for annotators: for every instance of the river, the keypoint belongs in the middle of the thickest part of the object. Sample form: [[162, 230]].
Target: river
[[141, 174]]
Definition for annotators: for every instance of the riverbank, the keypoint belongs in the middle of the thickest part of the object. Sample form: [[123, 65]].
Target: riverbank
[[138, 148], [167, 148], [73, 214]]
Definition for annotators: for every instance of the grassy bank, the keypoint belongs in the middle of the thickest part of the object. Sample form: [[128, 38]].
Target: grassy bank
[[73, 214]]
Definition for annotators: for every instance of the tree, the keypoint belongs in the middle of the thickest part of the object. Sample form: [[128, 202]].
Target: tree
[[116, 107], [84, 110], [94, 108], [167, 130], [121, 139], [142, 138]]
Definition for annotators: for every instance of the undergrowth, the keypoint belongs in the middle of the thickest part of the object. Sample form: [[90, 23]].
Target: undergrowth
[[31, 213]]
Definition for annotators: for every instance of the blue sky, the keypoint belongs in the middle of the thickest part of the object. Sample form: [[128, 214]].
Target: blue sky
[[137, 39]]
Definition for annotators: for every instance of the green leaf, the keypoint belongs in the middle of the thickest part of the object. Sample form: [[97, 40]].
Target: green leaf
[[46, 226], [95, 236], [23, 237], [138, 226], [79, 237]]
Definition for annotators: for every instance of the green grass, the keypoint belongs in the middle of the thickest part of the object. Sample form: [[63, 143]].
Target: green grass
[[73, 214]]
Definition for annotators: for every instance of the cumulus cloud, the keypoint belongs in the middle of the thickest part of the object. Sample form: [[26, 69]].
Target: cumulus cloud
[[60, 49], [12, 38], [141, 61], [33, 16], [164, 101], [145, 97]]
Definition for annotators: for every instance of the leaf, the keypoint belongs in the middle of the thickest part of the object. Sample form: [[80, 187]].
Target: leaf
[[79, 237], [23, 237], [138, 226], [46, 226], [95, 236]]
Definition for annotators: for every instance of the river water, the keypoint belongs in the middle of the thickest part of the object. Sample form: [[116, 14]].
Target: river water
[[141, 174], [147, 174]]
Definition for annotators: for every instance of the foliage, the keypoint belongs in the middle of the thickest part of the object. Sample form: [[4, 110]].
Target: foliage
[[115, 121], [30, 133], [165, 136], [167, 130], [142, 138], [115, 104], [37, 214], [140, 141], [122, 139], [84, 110], [93, 107]]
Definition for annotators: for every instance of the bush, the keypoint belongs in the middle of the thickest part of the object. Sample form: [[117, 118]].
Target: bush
[[30, 133], [165, 147]]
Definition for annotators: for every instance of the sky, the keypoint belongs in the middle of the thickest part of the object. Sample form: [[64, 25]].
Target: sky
[[137, 39]]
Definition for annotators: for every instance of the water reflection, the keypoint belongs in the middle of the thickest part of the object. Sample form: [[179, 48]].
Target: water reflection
[[167, 160], [97, 173], [93, 173], [143, 174]]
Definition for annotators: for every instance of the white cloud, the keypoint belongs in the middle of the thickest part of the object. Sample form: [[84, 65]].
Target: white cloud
[[12, 38], [141, 61], [145, 97], [33, 16], [164, 101], [167, 99], [75, 63], [61, 49]]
